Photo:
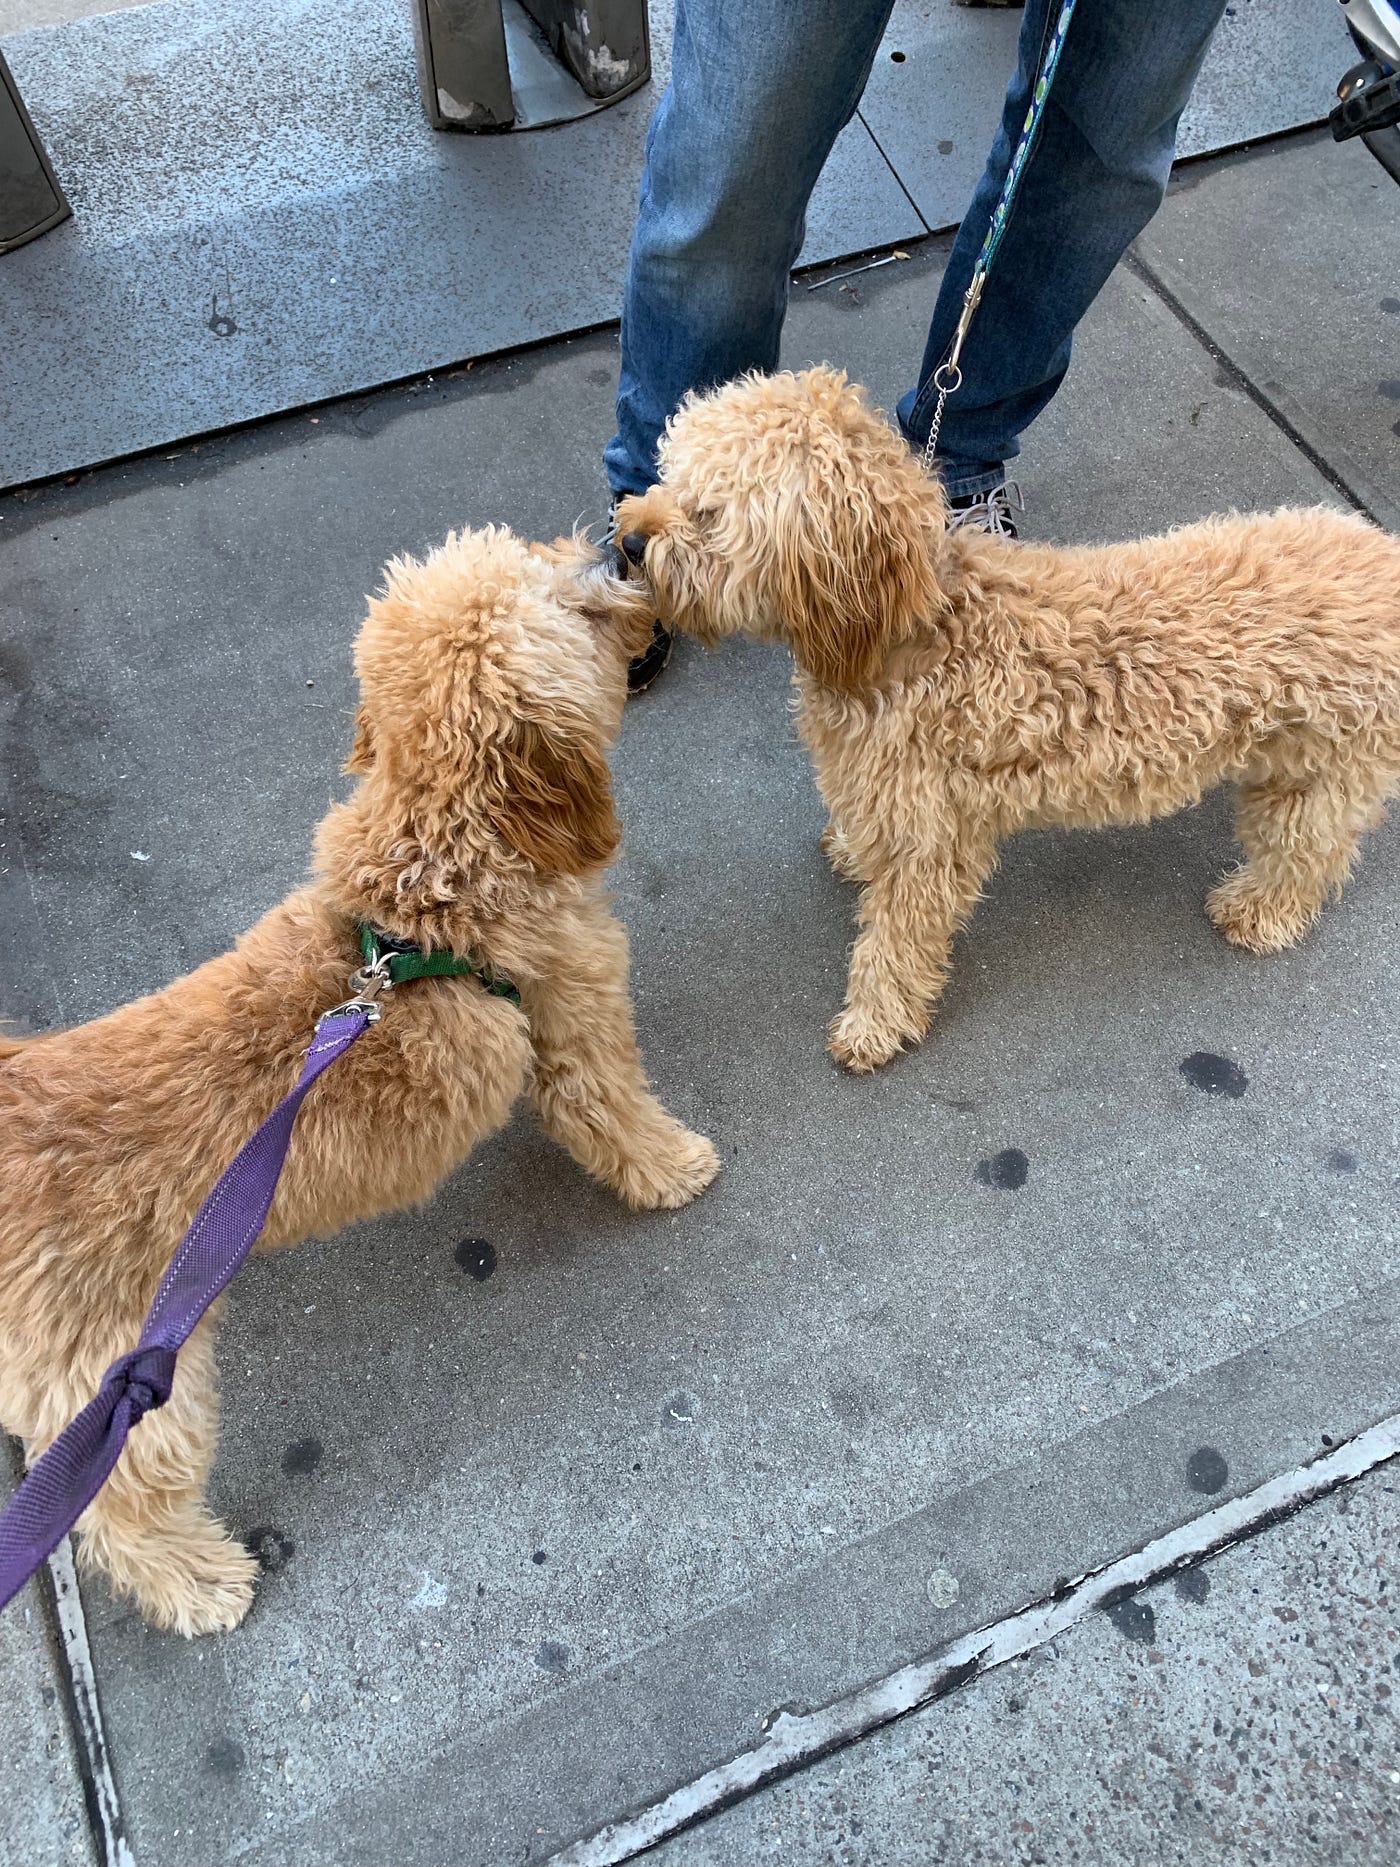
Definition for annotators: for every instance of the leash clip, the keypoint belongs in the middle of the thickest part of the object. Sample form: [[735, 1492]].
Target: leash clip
[[366, 982]]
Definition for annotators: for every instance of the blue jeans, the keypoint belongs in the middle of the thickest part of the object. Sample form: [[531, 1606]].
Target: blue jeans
[[735, 148]]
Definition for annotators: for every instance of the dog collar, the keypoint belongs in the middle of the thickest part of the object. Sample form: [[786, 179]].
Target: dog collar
[[390, 962]]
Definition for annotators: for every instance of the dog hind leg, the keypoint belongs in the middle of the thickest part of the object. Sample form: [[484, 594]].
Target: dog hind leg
[[1300, 834], [909, 913], [149, 1529]]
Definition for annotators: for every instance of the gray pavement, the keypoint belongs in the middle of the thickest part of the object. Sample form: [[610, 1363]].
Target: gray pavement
[[553, 1542]]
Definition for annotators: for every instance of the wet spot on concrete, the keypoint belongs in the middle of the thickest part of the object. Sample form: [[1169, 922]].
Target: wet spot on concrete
[[1342, 1160], [272, 1550], [302, 1456], [477, 1257], [1390, 389], [552, 1656], [1134, 1619], [539, 1558], [1391, 305], [943, 1588], [1213, 1075], [225, 1757], [945, 146], [1206, 1471], [680, 1410], [1008, 1170], [1192, 1585]]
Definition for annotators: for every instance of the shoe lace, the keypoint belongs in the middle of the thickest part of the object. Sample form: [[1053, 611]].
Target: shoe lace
[[990, 511]]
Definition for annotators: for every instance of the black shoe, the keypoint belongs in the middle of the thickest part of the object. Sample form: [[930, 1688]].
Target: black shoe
[[987, 512], [644, 670]]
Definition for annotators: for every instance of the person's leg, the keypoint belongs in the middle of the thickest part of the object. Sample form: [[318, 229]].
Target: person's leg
[[757, 97], [1094, 180]]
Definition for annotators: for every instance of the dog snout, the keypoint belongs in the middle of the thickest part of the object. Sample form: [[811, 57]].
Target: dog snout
[[634, 547]]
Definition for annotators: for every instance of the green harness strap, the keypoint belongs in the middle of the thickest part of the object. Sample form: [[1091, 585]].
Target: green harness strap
[[404, 963]]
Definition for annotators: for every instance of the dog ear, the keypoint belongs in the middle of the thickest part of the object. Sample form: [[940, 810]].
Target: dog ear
[[856, 532], [556, 804], [855, 573], [361, 757]]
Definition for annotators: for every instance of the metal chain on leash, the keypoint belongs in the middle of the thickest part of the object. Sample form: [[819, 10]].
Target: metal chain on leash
[[947, 378]]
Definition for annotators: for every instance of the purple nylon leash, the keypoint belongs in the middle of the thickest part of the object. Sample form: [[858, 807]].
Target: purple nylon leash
[[61, 1484]]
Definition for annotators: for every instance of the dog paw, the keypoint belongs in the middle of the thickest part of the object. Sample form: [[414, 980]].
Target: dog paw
[[678, 1169], [195, 1580], [860, 1042], [838, 853], [1249, 918]]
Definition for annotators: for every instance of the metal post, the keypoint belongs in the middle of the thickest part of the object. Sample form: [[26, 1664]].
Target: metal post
[[462, 70], [31, 200], [522, 64], [602, 42]]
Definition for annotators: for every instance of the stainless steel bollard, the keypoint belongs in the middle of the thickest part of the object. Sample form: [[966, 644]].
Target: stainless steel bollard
[[31, 200], [522, 64]]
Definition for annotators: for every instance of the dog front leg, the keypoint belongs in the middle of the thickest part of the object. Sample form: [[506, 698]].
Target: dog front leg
[[589, 1086], [909, 912]]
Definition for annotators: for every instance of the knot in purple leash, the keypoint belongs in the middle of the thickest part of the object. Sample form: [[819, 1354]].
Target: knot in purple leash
[[61, 1484], [143, 1379]]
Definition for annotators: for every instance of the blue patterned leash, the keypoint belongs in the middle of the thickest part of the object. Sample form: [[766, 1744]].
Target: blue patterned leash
[[947, 378]]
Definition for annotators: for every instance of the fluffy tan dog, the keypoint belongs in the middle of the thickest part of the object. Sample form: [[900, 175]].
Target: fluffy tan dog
[[492, 678], [956, 687]]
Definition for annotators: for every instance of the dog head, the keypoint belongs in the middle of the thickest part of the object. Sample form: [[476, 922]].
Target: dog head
[[787, 507], [492, 676]]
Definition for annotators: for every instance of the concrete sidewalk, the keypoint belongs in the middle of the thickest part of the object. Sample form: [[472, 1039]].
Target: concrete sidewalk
[[543, 1546]]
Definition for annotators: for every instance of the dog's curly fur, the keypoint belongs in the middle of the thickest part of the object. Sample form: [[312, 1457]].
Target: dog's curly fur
[[492, 678], [955, 687]]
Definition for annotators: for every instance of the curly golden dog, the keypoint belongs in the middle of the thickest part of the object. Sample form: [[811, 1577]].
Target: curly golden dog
[[492, 678], [955, 687]]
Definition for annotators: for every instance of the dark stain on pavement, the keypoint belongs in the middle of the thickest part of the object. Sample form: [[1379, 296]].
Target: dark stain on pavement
[[477, 1257], [552, 1656], [1213, 1075], [1206, 1471], [1134, 1619], [1341, 1160], [271, 1549], [1192, 1585], [225, 1757], [302, 1456], [1008, 1170]]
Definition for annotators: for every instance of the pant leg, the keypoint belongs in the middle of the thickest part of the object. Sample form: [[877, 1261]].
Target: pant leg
[[1095, 178], [759, 91]]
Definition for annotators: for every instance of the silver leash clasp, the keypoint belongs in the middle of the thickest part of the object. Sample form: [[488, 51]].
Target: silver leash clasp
[[366, 982], [947, 378]]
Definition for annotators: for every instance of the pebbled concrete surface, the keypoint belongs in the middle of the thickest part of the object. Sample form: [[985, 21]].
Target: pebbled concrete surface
[[742, 1438], [1245, 1713], [263, 218], [1308, 306]]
